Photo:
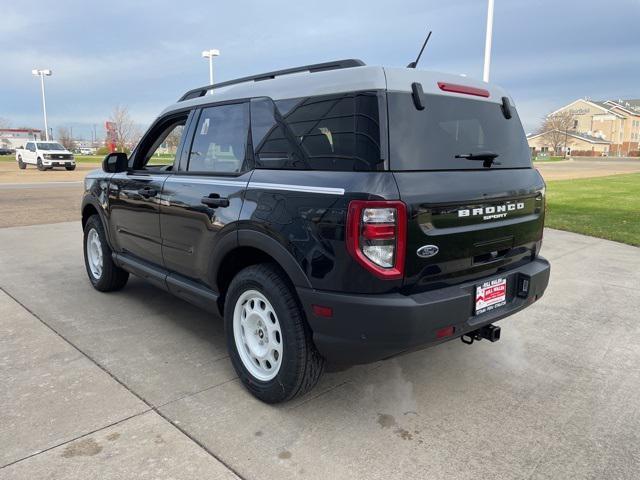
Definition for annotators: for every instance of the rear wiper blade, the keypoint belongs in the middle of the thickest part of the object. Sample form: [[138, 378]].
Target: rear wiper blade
[[487, 157]]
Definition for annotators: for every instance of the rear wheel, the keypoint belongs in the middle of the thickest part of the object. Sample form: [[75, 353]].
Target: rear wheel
[[269, 341], [39, 164], [21, 164], [104, 275]]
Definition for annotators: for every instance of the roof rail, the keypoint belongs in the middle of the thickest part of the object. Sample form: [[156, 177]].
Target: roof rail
[[316, 67]]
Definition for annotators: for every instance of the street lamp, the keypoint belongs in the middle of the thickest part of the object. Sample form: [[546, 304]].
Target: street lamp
[[487, 42], [42, 74], [210, 54]]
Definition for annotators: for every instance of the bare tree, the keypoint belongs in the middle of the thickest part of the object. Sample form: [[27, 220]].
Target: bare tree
[[554, 129], [173, 139], [65, 138], [125, 131]]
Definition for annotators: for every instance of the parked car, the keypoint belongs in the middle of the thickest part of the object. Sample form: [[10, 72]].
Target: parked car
[[45, 155], [335, 213], [7, 151]]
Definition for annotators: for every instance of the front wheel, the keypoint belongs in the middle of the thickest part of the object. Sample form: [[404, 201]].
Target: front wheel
[[40, 165], [103, 273], [269, 341], [70, 167]]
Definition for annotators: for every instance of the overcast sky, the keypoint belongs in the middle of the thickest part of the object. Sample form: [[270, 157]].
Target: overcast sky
[[146, 54]]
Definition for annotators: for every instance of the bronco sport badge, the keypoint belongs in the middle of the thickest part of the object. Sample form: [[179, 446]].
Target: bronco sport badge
[[491, 213]]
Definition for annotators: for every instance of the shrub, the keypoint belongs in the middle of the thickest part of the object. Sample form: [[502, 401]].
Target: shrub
[[105, 151]]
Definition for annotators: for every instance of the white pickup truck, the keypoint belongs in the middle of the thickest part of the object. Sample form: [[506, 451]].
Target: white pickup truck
[[45, 155]]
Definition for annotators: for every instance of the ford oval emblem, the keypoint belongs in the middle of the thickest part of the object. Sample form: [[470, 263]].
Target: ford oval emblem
[[427, 251]]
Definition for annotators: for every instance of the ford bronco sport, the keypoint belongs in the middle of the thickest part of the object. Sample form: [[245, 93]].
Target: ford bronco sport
[[334, 213]]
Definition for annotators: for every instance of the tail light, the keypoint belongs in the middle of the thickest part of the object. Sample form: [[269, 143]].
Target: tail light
[[376, 236]]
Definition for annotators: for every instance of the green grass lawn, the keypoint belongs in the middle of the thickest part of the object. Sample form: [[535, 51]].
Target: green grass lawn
[[157, 160], [79, 158], [548, 159], [605, 207]]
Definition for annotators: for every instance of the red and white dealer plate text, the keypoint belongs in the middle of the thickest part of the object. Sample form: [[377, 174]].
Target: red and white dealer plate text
[[491, 295]]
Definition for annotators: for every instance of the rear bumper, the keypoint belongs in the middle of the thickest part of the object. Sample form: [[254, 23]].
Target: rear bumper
[[367, 328]]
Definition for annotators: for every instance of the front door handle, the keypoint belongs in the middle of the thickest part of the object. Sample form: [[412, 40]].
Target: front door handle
[[214, 201], [147, 192]]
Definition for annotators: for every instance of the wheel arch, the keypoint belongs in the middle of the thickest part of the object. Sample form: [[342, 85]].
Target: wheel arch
[[88, 210], [252, 248], [91, 206]]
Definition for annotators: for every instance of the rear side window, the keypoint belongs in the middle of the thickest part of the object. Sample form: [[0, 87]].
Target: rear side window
[[430, 139], [220, 139], [330, 132]]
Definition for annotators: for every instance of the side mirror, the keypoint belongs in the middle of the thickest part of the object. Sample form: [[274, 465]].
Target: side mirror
[[115, 162]]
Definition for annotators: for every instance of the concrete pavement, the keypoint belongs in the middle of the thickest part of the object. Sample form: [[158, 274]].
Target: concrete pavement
[[93, 379], [64, 416]]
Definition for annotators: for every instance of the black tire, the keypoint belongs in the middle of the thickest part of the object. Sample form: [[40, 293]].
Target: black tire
[[39, 165], [70, 167], [21, 164], [301, 364], [112, 277]]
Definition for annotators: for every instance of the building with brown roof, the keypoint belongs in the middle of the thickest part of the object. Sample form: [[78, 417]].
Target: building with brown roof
[[598, 127]]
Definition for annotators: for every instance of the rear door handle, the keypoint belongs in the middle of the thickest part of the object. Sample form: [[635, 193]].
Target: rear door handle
[[147, 192], [214, 201]]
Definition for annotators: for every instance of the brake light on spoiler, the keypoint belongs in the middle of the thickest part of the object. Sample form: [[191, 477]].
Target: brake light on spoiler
[[455, 88]]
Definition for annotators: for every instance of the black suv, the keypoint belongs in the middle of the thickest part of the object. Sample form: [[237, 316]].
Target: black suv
[[333, 213]]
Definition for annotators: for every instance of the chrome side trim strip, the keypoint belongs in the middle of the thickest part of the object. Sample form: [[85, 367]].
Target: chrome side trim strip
[[259, 185], [206, 181], [297, 188]]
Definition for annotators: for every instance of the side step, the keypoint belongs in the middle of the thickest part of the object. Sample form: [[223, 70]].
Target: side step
[[488, 332], [182, 287]]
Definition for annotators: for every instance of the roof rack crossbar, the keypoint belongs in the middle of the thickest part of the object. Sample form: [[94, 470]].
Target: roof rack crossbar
[[317, 67]]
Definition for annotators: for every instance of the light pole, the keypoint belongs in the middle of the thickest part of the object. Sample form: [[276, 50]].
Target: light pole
[[210, 54], [42, 73], [487, 42]]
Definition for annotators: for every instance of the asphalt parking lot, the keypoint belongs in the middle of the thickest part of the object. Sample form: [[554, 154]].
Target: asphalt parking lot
[[137, 384]]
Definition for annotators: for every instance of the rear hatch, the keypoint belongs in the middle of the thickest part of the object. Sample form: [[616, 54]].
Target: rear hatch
[[475, 204]]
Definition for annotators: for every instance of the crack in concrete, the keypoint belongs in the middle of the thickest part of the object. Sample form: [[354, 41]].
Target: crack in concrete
[[150, 406]]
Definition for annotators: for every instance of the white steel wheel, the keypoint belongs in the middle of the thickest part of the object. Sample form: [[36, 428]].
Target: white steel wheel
[[94, 253], [257, 335]]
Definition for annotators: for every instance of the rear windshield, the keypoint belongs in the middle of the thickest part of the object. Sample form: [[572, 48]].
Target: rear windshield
[[430, 139]]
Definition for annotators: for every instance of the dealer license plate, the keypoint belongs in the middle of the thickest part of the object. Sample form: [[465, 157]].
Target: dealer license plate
[[491, 295]]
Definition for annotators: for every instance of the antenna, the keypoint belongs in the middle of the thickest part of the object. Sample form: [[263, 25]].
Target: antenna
[[415, 64]]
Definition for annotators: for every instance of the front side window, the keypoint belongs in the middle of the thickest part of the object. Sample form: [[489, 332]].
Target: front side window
[[220, 140], [158, 149], [328, 132], [166, 147]]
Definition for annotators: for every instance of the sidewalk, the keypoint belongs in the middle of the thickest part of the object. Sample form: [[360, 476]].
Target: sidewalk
[[63, 416]]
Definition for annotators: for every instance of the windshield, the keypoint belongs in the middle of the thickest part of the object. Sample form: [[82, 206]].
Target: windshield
[[453, 133], [50, 146]]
